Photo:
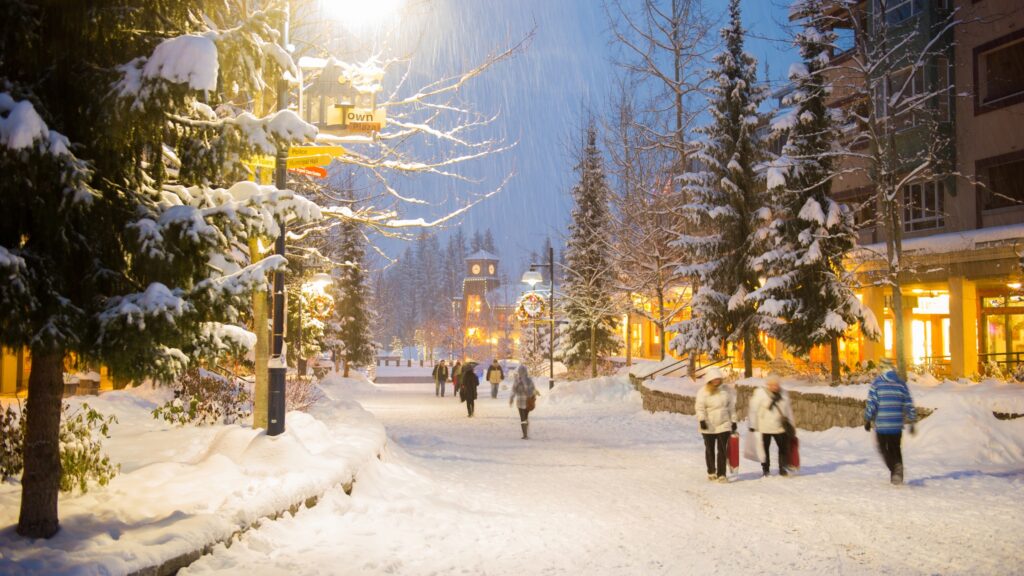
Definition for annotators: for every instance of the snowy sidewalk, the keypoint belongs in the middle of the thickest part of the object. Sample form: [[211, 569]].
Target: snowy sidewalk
[[183, 489], [605, 488]]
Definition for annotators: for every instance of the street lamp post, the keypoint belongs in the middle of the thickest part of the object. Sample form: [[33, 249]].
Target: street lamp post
[[277, 365], [532, 278]]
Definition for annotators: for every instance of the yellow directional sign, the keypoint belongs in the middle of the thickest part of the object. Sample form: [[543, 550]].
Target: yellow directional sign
[[313, 150], [302, 157]]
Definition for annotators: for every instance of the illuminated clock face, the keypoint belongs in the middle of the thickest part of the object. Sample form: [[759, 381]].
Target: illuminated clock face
[[490, 269], [476, 268]]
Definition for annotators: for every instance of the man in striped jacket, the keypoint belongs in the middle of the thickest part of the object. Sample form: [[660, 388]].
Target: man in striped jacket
[[889, 404]]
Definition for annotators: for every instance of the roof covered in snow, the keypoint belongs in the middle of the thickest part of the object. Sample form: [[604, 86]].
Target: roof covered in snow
[[482, 255]]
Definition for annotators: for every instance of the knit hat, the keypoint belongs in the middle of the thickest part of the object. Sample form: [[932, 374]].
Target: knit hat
[[892, 376], [713, 373]]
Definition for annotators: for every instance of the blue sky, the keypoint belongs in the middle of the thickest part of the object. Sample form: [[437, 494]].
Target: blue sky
[[541, 96]]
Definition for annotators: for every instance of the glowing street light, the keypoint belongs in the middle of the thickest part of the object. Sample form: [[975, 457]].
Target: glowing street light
[[532, 277]]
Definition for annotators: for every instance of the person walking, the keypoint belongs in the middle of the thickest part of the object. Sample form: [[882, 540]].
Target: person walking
[[468, 384], [523, 391], [440, 375], [716, 415], [889, 405], [771, 418], [495, 374], [456, 374]]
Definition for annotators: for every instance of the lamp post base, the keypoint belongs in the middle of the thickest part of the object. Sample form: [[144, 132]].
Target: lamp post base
[[275, 401], [551, 383]]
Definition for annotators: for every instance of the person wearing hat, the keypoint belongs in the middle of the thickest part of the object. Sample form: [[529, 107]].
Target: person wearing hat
[[716, 414], [468, 384], [523, 390], [771, 418], [889, 405]]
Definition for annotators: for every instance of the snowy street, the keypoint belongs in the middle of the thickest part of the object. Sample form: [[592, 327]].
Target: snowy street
[[605, 488]]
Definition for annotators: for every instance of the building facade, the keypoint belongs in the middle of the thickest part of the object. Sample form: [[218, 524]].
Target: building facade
[[963, 231]]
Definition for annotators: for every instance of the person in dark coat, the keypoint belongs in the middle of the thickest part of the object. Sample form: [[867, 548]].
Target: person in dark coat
[[440, 375], [468, 384], [495, 374], [456, 374]]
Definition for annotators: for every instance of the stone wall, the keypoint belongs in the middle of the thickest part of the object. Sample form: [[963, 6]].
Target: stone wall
[[813, 412]]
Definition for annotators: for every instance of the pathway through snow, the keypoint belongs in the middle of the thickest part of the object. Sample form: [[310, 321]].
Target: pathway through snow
[[604, 488]]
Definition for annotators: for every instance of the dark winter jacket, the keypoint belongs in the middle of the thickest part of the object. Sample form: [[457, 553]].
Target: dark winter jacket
[[440, 373], [889, 402], [491, 370], [468, 383], [456, 373]]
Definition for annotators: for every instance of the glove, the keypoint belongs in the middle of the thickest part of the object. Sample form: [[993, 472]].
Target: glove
[[912, 431], [867, 425], [750, 429], [703, 424], [733, 427]]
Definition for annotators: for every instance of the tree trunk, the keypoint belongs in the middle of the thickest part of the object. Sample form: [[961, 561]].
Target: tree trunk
[[629, 336], [899, 342], [260, 396], [748, 355], [346, 368], [661, 317], [836, 375], [593, 351], [40, 483]]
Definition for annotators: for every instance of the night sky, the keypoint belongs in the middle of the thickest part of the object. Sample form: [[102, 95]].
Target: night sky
[[542, 95]]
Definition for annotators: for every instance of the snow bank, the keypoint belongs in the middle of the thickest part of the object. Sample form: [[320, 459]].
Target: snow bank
[[963, 432], [603, 389], [182, 488], [338, 387]]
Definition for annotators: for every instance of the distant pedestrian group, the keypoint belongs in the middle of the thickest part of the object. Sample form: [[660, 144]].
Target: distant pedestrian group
[[465, 382], [888, 408]]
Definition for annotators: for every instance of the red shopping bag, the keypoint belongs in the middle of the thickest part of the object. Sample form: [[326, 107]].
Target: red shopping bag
[[734, 452]]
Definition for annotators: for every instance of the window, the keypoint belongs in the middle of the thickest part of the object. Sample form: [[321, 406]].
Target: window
[[909, 85], [923, 206], [1003, 184], [864, 211], [944, 90], [1002, 73], [897, 11]]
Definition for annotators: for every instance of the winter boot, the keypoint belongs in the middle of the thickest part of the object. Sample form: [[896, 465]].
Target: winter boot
[[764, 470], [526, 430], [897, 475]]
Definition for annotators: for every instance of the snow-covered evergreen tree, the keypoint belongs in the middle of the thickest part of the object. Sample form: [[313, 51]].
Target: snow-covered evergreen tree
[[350, 328], [124, 228], [590, 304], [807, 299], [726, 207], [488, 242]]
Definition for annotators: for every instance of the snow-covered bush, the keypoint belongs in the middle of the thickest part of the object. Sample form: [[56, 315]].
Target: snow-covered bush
[[81, 455], [12, 436], [992, 369], [301, 393], [1018, 373], [204, 399]]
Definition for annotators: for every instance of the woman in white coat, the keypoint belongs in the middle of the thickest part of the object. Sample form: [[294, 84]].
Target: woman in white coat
[[771, 418], [716, 414]]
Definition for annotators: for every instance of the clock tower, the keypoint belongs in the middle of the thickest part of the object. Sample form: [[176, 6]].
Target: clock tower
[[478, 312]]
